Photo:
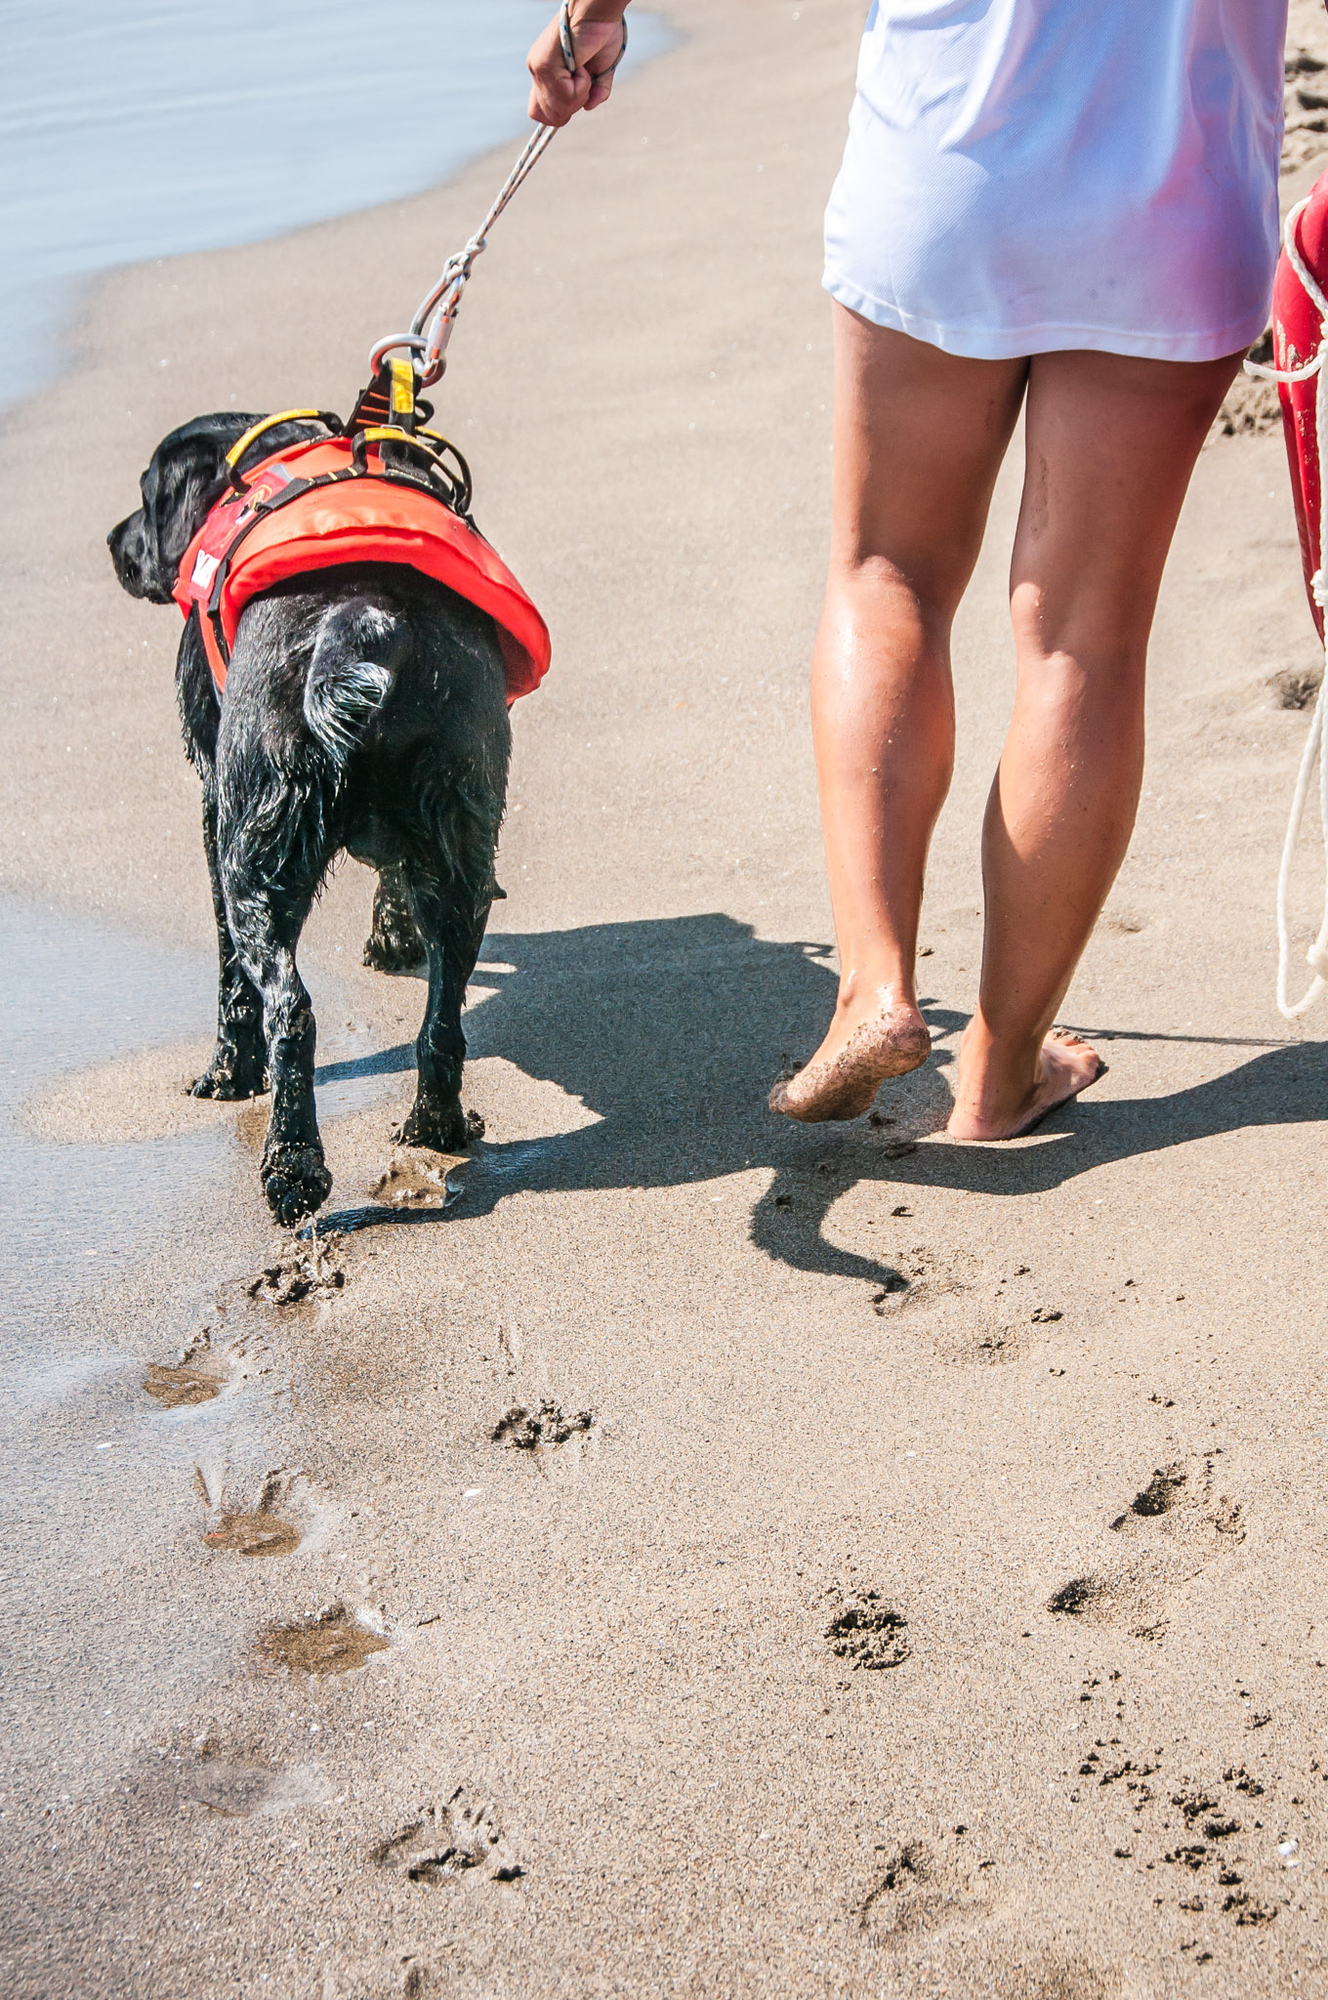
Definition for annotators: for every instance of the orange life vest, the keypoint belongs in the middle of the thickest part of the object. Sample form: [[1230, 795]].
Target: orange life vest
[[321, 504]]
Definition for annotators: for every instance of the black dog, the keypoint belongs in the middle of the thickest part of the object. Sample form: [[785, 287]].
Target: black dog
[[365, 709]]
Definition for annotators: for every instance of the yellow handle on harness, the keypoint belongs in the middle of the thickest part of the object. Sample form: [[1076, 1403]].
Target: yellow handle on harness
[[255, 431], [418, 441], [402, 393], [434, 454]]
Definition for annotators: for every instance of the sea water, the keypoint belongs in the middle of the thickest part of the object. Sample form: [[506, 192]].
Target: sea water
[[132, 130]]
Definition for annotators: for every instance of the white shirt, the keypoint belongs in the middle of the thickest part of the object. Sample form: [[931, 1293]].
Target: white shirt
[[1029, 175]]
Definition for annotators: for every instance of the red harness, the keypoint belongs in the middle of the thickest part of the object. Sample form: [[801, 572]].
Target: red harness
[[334, 501]]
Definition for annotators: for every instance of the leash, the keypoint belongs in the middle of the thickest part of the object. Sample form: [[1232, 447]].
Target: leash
[[438, 309], [1316, 746]]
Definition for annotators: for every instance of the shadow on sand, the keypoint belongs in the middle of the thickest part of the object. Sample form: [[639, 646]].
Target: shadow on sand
[[672, 1030]]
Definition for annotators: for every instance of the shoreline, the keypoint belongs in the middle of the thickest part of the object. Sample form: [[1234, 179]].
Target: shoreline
[[101, 116], [814, 1363]]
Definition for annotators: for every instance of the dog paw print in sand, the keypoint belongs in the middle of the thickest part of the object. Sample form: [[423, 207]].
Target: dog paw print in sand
[[450, 1843], [305, 1271], [1216, 1849], [333, 1641], [417, 1178], [541, 1428], [229, 1782], [928, 1887], [196, 1376], [1176, 1524], [1295, 687], [865, 1632], [264, 1527]]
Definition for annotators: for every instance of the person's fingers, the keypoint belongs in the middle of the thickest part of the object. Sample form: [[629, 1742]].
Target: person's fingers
[[556, 98], [556, 93]]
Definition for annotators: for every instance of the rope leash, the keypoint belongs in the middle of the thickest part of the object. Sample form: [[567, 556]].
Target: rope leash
[[1316, 746], [438, 308]]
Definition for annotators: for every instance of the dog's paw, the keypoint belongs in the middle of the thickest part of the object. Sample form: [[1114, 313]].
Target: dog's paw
[[296, 1182], [451, 1131], [230, 1078], [393, 951]]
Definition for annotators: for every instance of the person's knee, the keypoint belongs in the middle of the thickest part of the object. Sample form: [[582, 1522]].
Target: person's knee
[[1076, 635], [887, 589]]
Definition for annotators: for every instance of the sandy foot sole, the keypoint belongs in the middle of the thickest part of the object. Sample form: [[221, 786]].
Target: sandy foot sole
[[846, 1085]]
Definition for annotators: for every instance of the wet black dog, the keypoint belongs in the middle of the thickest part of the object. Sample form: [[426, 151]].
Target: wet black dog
[[365, 710]]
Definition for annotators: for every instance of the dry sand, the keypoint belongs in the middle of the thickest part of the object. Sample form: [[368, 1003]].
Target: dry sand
[[936, 1602]]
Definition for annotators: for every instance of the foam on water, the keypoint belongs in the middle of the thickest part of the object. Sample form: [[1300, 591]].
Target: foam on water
[[136, 131]]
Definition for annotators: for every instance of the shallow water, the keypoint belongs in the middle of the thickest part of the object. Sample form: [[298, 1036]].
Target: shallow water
[[77, 993], [99, 1474], [136, 131]]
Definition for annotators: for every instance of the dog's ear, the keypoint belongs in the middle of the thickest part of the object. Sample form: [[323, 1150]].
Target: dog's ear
[[186, 477], [185, 480]]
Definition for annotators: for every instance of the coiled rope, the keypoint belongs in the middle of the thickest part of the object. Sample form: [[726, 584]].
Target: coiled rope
[[1316, 748]]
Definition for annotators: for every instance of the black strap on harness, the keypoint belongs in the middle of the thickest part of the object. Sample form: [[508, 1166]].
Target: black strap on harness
[[421, 459], [390, 399], [389, 414]]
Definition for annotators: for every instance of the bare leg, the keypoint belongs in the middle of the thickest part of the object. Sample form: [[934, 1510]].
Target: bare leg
[[919, 438], [1111, 444]]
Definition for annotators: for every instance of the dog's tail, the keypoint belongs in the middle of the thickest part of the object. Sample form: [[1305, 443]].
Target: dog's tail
[[357, 653]]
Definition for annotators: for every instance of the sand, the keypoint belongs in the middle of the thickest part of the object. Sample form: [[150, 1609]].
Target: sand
[[933, 1600]]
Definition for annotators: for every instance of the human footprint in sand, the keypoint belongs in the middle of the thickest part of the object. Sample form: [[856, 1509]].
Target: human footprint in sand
[[1070, 211]]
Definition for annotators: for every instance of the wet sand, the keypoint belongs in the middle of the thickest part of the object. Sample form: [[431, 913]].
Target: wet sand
[[932, 1600]]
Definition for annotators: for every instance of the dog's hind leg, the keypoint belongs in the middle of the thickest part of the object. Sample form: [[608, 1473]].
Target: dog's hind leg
[[239, 1062], [272, 861], [394, 943], [451, 917], [452, 939]]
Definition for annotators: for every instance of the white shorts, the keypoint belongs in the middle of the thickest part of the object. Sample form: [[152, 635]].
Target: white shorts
[[1045, 175]]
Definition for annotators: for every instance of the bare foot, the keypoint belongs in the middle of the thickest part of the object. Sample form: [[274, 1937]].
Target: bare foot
[[1066, 1066], [852, 1063]]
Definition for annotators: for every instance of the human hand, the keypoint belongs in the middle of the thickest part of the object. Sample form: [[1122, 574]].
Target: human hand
[[599, 36]]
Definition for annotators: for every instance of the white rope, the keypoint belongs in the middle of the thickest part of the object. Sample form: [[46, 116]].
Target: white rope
[[1316, 747], [439, 307]]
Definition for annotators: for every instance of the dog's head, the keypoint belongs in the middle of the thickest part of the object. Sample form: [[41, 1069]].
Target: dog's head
[[185, 480]]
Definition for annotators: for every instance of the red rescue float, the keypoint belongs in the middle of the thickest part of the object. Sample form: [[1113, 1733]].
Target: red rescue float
[[1300, 331], [1299, 291]]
